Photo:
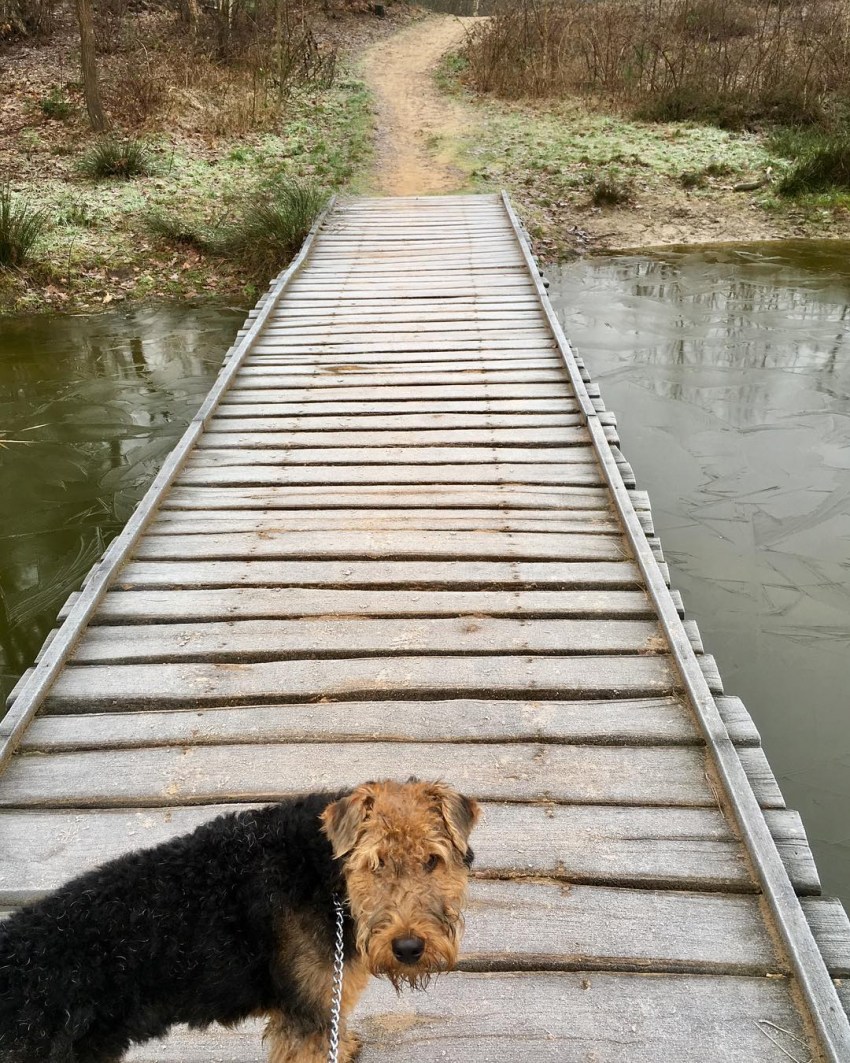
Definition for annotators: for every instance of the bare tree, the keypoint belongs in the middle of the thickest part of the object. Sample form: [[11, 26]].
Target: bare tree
[[88, 61]]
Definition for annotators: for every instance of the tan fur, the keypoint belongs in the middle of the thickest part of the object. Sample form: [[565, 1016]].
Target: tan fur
[[312, 969], [403, 848]]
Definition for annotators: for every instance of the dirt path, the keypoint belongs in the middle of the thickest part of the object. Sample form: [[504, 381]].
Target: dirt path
[[415, 122]]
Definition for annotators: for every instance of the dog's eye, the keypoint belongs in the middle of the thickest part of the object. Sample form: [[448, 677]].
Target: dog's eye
[[432, 862], [380, 864]]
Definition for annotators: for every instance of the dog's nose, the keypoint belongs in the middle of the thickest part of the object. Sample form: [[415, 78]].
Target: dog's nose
[[408, 950]]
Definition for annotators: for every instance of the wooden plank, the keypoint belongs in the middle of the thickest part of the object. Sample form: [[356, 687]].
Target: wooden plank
[[251, 389], [536, 925], [367, 574], [269, 640], [399, 362], [497, 264], [573, 475], [448, 496], [377, 303], [389, 321], [587, 522], [556, 1017], [414, 545], [542, 926], [158, 605], [459, 334], [760, 776], [213, 457], [340, 385], [651, 721], [519, 772], [85, 688], [673, 847], [562, 426], [461, 365], [260, 404], [831, 928], [255, 603]]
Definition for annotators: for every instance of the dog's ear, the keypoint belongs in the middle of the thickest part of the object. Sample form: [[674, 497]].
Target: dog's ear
[[459, 813], [343, 820]]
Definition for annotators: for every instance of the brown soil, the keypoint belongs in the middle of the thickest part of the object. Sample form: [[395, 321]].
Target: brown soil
[[415, 122]]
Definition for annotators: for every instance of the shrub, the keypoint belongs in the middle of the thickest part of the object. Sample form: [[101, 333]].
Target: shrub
[[55, 105], [20, 228], [823, 165], [609, 189], [272, 226], [693, 179], [731, 62], [116, 158]]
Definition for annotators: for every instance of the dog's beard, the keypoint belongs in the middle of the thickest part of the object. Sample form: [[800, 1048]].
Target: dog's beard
[[440, 955]]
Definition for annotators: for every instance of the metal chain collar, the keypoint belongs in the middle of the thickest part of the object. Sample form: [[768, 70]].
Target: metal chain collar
[[336, 995]]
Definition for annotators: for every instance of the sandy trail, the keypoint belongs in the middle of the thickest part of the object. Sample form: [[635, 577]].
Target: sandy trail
[[413, 117]]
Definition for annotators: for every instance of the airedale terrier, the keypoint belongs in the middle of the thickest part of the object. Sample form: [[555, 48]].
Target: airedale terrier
[[237, 919]]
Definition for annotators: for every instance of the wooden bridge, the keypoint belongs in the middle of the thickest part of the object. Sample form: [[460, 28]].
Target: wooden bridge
[[399, 538]]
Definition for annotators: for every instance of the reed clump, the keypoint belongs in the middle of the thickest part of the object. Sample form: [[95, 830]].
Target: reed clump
[[111, 157], [821, 162], [728, 62], [21, 226], [270, 225]]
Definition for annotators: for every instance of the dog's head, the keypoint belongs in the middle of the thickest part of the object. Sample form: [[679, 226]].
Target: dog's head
[[404, 849]]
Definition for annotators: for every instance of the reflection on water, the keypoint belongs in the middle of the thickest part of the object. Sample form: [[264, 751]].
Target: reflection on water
[[730, 375], [89, 408]]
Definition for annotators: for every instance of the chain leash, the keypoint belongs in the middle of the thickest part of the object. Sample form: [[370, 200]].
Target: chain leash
[[336, 996]]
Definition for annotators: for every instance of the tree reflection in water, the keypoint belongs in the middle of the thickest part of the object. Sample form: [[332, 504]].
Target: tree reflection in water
[[89, 408], [729, 370]]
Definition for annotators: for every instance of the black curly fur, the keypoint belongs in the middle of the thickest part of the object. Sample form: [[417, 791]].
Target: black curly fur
[[184, 932]]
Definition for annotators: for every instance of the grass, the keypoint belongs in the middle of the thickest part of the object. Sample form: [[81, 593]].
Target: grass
[[163, 236], [271, 226], [176, 229], [111, 157], [822, 169], [820, 161], [21, 227]]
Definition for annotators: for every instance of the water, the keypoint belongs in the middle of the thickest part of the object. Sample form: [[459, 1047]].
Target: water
[[89, 408], [730, 374]]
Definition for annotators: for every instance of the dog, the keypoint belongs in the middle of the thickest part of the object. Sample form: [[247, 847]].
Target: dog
[[237, 919]]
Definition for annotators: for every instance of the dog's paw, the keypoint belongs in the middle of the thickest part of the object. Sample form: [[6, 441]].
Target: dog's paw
[[350, 1048]]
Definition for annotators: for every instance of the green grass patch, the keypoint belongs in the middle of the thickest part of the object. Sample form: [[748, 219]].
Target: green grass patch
[[271, 226], [821, 161], [21, 227], [122, 159]]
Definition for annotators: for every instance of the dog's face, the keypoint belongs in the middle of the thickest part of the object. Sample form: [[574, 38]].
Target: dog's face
[[405, 856]]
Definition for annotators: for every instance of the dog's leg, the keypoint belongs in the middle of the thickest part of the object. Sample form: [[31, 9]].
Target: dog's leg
[[289, 1045]]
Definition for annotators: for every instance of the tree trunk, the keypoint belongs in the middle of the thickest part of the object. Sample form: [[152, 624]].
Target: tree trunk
[[189, 14], [88, 61]]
